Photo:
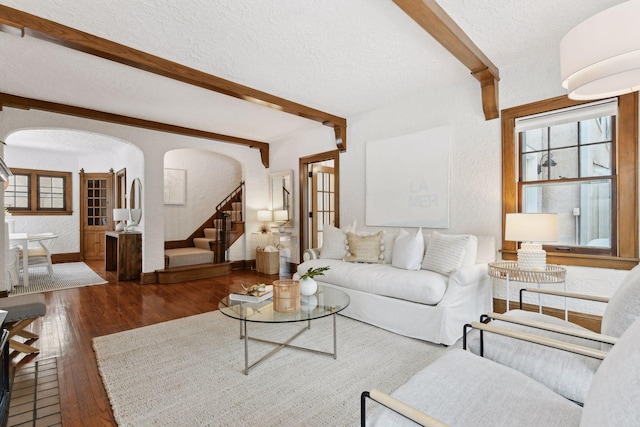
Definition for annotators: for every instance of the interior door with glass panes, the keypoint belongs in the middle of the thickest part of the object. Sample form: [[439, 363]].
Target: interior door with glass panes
[[323, 206], [96, 202]]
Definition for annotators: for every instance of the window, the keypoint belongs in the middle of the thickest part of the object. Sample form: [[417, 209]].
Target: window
[[37, 192], [579, 160]]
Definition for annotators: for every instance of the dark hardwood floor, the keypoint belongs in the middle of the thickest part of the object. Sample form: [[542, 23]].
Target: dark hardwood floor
[[75, 316]]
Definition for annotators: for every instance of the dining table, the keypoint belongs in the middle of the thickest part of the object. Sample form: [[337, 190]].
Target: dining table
[[23, 240]]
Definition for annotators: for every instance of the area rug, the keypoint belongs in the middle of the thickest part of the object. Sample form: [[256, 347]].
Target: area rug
[[190, 372], [66, 275]]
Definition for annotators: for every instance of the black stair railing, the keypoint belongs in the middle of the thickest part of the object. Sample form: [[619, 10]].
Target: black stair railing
[[230, 197], [222, 247]]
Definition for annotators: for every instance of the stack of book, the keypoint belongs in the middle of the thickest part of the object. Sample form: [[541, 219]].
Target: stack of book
[[253, 296]]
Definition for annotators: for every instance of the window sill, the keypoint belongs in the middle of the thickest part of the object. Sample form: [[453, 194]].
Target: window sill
[[582, 260], [31, 213]]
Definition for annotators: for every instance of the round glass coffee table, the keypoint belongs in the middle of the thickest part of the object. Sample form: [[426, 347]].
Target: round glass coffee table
[[327, 301]]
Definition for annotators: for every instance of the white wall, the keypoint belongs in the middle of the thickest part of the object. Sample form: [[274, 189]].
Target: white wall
[[475, 163], [210, 177], [153, 146]]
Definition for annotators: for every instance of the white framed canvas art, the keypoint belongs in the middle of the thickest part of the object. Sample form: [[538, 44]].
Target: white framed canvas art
[[175, 182], [407, 180]]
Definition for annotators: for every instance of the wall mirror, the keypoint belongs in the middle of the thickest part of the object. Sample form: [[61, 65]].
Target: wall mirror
[[135, 201], [281, 189]]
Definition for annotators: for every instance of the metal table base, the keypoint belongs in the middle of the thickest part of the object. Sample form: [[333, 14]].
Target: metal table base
[[280, 345]]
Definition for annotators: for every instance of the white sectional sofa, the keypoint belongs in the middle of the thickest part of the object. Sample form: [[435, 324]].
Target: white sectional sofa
[[420, 303]]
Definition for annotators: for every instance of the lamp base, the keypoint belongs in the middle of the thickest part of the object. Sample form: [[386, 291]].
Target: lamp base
[[531, 256], [120, 226]]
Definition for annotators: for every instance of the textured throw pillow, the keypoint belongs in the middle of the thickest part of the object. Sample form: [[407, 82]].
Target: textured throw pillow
[[334, 241], [365, 248], [446, 253], [408, 250]]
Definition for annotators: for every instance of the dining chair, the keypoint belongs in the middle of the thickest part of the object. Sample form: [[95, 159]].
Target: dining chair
[[11, 261], [41, 254]]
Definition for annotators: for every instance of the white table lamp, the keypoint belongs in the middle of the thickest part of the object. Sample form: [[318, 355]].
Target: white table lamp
[[122, 216], [529, 228], [265, 216], [282, 217]]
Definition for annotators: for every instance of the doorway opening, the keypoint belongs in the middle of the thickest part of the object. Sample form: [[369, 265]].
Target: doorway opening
[[319, 198]]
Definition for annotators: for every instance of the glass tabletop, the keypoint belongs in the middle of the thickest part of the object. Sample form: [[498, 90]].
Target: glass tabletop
[[325, 302]]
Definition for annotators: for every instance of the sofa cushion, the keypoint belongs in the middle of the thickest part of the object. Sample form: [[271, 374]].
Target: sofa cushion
[[364, 248], [446, 253], [422, 286], [408, 250]]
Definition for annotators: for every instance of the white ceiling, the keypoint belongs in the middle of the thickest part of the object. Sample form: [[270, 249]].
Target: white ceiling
[[341, 57]]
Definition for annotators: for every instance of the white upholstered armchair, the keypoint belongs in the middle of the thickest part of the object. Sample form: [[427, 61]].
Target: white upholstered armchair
[[462, 389], [565, 373]]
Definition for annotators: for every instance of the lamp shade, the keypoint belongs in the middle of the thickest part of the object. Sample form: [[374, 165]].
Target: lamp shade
[[265, 216], [281, 216], [531, 227], [600, 57], [120, 214]]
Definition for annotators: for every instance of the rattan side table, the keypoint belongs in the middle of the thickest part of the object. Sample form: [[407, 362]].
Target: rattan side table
[[509, 272]]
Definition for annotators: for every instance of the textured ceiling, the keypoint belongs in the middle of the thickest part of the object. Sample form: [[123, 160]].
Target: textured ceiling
[[341, 57]]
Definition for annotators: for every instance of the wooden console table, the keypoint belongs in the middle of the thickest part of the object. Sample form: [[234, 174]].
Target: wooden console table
[[123, 254]]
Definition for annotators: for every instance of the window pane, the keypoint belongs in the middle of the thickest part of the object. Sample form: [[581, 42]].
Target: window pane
[[20, 180], [595, 130], [564, 135], [51, 192], [595, 160], [534, 140], [17, 193], [562, 163], [584, 210]]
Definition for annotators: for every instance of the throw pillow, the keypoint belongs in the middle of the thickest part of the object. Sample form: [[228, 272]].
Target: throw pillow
[[446, 253], [334, 241], [364, 248], [388, 238], [408, 250]]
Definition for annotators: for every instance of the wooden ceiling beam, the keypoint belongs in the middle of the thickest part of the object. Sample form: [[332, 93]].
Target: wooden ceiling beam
[[433, 19], [12, 20], [13, 101]]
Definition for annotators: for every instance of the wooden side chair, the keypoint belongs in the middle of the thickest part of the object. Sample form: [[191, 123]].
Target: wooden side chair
[[22, 310], [40, 255]]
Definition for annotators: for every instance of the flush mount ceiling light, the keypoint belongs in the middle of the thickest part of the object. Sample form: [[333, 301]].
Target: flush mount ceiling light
[[600, 57]]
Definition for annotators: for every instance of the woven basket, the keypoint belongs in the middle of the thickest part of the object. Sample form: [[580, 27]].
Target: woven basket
[[267, 262]]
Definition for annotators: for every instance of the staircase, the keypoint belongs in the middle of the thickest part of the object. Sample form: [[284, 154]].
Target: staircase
[[223, 228], [216, 235]]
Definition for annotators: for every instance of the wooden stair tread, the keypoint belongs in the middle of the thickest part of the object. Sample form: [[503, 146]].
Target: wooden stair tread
[[193, 272]]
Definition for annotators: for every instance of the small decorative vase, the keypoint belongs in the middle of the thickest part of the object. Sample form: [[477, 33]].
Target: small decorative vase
[[308, 287]]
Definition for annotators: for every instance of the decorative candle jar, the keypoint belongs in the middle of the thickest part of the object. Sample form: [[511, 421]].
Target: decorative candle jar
[[286, 295]]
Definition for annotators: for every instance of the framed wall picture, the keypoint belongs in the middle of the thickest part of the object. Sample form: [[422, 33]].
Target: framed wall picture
[[407, 180], [175, 186]]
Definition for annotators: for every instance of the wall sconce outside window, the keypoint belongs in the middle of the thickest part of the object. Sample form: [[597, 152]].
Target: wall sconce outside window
[[546, 160]]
